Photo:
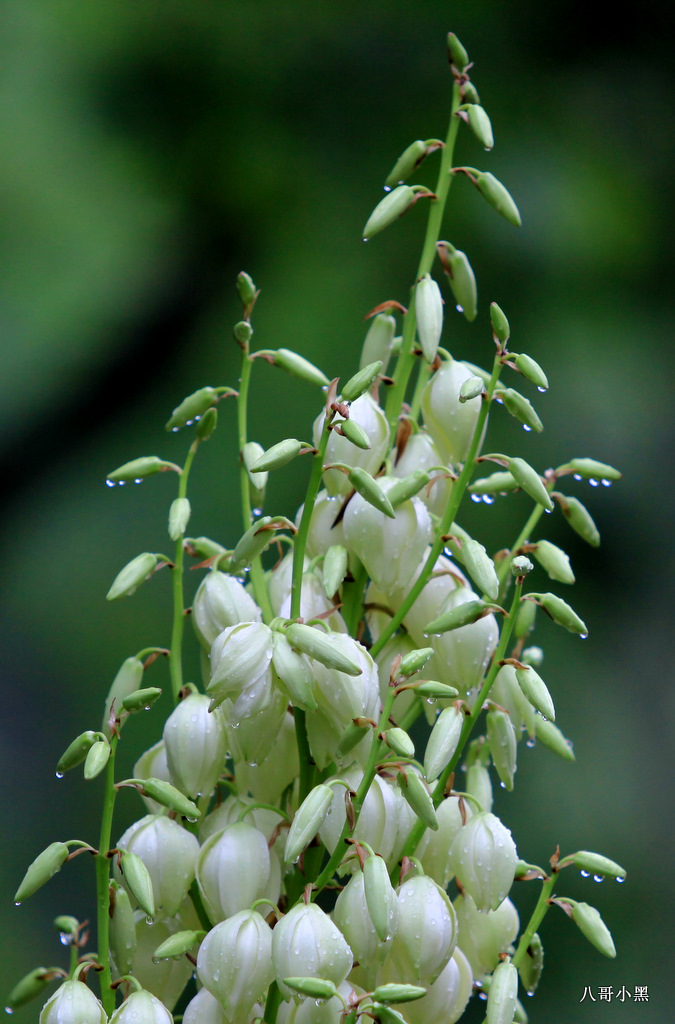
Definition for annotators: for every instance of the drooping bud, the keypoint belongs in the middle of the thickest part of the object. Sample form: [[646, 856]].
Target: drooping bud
[[429, 316], [192, 408], [480, 125], [141, 1006], [351, 916], [335, 567], [380, 897], [579, 518], [179, 517], [389, 209], [532, 965], [561, 613], [168, 796], [207, 424], [442, 742], [479, 785], [484, 859], [235, 963], [138, 882], [257, 538], [30, 986], [300, 367], [497, 196], [257, 482], [196, 745], [551, 736], [221, 601], [308, 819], [278, 455], [414, 661], [554, 560], [417, 796], [503, 994], [483, 936], [122, 929], [399, 741], [326, 648], [434, 847], [461, 615], [500, 324], [594, 863], [178, 944], [590, 924], [45, 865], [361, 381], [76, 752], [73, 1003], [139, 469], [294, 672], [536, 691], [451, 424], [354, 433], [480, 568], [127, 680], [234, 868], [530, 481], [168, 852], [501, 737], [135, 572], [141, 700], [370, 490], [531, 370], [521, 408], [426, 932], [306, 943], [378, 342], [367, 413], [96, 760], [590, 469], [409, 159]]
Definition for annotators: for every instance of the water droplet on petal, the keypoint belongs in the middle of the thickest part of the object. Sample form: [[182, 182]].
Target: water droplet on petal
[[149, 920], [594, 483], [488, 499], [542, 390], [584, 874], [476, 497], [531, 742], [108, 483], [583, 636], [527, 429], [606, 483], [59, 775], [598, 878], [621, 879]]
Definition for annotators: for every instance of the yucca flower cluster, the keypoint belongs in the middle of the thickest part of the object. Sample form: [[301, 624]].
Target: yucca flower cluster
[[302, 856]]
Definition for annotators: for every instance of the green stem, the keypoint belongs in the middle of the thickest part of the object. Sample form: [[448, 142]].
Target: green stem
[[176, 654], [103, 883], [456, 495], [272, 1004], [541, 909], [257, 574], [406, 358]]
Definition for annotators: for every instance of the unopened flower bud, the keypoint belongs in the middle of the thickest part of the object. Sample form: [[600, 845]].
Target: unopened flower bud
[[299, 367], [480, 568], [138, 882], [168, 852], [335, 567], [484, 858], [503, 994], [399, 741], [46, 864], [417, 796], [308, 819], [179, 517], [177, 944], [503, 745], [73, 1003], [480, 125], [367, 413], [361, 382], [497, 196], [594, 863], [76, 752], [461, 615], [246, 289], [442, 742], [389, 209], [521, 566], [590, 924], [561, 613], [495, 483], [456, 52], [141, 1006], [257, 482], [127, 680], [521, 408], [393, 993], [532, 965], [525, 619], [168, 796], [135, 572], [554, 560], [278, 455], [531, 370], [139, 469], [370, 490], [530, 481], [590, 469], [479, 786], [354, 433], [306, 943], [257, 538], [326, 648], [317, 988], [378, 342], [434, 847], [536, 691], [450, 423], [243, 332], [207, 424], [141, 700], [97, 759], [409, 159], [429, 316], [122, 929], [196, 745], [30, 986], [551, 736], [500, 324], [380, 896], [414, 661], [191, 408], [426, 932], [471, 388], [579, 518]]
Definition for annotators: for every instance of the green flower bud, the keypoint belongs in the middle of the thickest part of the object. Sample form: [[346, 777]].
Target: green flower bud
[[196, 747], [378, 343], [169, 853], [76, 752], [532, 370], [530, 481], [442, 742], [380, 896], [234, 868], [429, 315], [278, 455], [531, 967], [168, 796], [368, 488], [299, 367], [350, 737], [479, 786], [500, 324], [97, 759], [521, 409], [73, 1003], [246, 289], [138, 882], [367, 413], [417, 796], [179, 517], [138, 469], [257, 482], [480, 125], [450, 423], [497, 196], [354, 433], [484, 858], [595, 863], [496, 483], [414, 661], [433, 689], [456, 52], [258, 537], [551, 736], [220, 602], [480, 568], [461, 615], [122, 929], [141, 700], [461, 277], [308, 819], [560, 612], [399, 741], [335, 565], [409, 159], [591, 925], [41, 870], [533, 656], [361, 381], [192, 408], [521, 566], [393, 993], [590, 469], [501, 737], [389, 209], [207, 424], [306, 939], [317, 988], [503, 994], [30, 986], [137, 571], [470, 93], [295, 673], [127, 680], [177, 944], [426, 933], [243, 332], [471, 388], [525, 619], [579, 518], [536, 691], [554, 560], [323, 647], [141, 1006]]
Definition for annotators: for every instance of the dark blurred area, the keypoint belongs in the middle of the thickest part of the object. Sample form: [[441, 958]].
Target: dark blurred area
[[151, 151]]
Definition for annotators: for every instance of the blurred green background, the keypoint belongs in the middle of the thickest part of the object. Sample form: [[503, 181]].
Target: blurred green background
[[152, 150]]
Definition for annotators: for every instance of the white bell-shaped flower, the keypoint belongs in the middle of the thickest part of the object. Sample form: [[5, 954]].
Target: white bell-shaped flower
[[73, 1003], [420, 452], [434, 847], [313, 601], [306, 943], [240, 658], [235, 963], [221, 601], [483, 857], [169, 853], [483, 936], [204, 1009], [324, 531], [153, 764], [229, 812], [141, 1006], [235, 867], [196, 745], [451, 423], [426, 933], [167, 978], [378, 823], [266, 780], [351, 915], [447, 997], [314, 1011]]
